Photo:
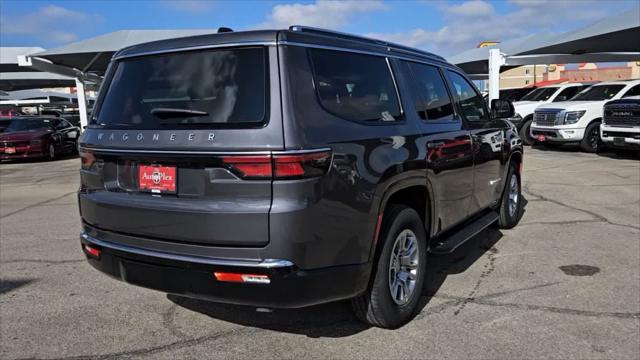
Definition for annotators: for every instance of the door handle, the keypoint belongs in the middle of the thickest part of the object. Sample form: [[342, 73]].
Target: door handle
[[435, 145]]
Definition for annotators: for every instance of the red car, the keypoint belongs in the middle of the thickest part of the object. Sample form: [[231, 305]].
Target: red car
[[37, 137]]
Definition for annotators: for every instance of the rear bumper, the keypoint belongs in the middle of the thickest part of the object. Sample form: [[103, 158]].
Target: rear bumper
[[192, 276]]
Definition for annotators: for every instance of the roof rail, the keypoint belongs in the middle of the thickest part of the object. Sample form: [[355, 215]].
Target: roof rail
[[389, 45]]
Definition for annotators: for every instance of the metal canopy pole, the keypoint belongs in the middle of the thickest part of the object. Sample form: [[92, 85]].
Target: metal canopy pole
[[82, 103], [496, 60]]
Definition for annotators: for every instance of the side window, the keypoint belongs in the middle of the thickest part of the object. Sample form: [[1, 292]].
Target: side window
[[59, 124], [567, 93], [354, 86], [634, 91], [430, 93], [471, 103]]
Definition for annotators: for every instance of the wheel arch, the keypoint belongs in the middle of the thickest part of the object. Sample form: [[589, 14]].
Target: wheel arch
[[415, 192]]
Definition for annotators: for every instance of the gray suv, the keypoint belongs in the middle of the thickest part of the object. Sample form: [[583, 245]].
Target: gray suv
[[289, 168]]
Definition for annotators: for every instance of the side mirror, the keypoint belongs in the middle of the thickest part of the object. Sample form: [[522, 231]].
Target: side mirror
[[502, 109]]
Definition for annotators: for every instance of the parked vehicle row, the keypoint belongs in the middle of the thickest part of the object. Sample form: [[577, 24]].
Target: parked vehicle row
[[578, 120], [37, 137]]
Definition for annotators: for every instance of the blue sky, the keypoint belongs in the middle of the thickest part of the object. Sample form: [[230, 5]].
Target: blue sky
[[445, 27]]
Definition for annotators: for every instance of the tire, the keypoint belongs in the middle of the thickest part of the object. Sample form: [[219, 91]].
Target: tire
[[591, 141], [51, 153], [377, 306], [525, 133], [511, 203]]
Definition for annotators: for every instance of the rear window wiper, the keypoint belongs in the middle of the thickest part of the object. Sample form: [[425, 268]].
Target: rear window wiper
[[165, 113]]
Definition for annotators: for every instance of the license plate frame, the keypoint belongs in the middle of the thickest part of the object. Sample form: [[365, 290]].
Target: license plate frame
[[157, 179], [10, 150], [620, 141]]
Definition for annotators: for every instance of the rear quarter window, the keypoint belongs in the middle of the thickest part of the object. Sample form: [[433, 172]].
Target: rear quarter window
[[212, 88], [355, 87]]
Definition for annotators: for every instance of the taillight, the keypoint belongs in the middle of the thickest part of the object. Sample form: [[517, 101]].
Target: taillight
[[87, 159], [90, 250], [291, 166], [279, 166], [250, 167], [242, 278]]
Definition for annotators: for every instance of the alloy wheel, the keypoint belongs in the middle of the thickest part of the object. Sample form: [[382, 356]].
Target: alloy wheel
[[594, 138], [514, 195], [403, 267]]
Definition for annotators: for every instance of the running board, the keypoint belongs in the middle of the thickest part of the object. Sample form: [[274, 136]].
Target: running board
[[450, 243]]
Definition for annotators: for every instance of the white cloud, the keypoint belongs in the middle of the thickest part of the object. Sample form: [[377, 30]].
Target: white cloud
[[469, 23], [50, 23], [191, 6], [471, 8], [322, 13]]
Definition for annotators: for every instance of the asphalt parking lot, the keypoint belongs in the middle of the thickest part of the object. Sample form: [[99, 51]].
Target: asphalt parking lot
[[563, 284]]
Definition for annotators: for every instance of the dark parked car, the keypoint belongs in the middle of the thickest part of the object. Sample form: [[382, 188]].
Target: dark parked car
[[37, 137], [290, 168]]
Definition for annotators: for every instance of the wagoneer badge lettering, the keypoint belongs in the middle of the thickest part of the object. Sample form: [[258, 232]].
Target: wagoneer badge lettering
[[155, 136]]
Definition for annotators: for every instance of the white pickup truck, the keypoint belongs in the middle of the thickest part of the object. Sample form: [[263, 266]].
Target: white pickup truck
[[578, 120], [543, 95], [620, 128]]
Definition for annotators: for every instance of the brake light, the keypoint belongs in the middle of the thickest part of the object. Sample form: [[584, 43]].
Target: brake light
[[87, 159], [90, 250], [242, 278], [250, 167], [279, 166], [301, 165]]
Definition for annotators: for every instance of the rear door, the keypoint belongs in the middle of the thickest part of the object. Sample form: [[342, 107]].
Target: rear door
[[179, 147], [487, 137], [449, 156]]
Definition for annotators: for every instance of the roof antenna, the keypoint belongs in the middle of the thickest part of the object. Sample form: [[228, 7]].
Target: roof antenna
[[224, 30]]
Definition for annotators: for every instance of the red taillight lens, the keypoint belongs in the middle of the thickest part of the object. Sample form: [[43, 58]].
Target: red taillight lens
[[301, 165], [87, 159], [242, 278], [279, 166], [250, 167], [91, 251]]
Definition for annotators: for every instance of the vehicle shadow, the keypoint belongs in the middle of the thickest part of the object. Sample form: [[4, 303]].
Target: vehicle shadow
[[336, 320], [41, 160], [572, 148], [620, 154]]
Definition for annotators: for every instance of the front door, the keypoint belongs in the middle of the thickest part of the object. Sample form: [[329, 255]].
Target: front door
[[447, 145], [487, 137]]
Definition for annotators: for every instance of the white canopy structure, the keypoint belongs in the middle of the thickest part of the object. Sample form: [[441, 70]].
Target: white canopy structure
[[14, 77], [615, 38]]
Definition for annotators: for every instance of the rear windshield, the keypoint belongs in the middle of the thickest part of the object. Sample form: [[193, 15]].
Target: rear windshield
[[598, 92], [213, 88]]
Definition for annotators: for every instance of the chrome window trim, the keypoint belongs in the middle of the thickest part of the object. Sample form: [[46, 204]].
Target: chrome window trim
[[263, 264], [395, 85], [418, 58], [196, 152], [194, 48]]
